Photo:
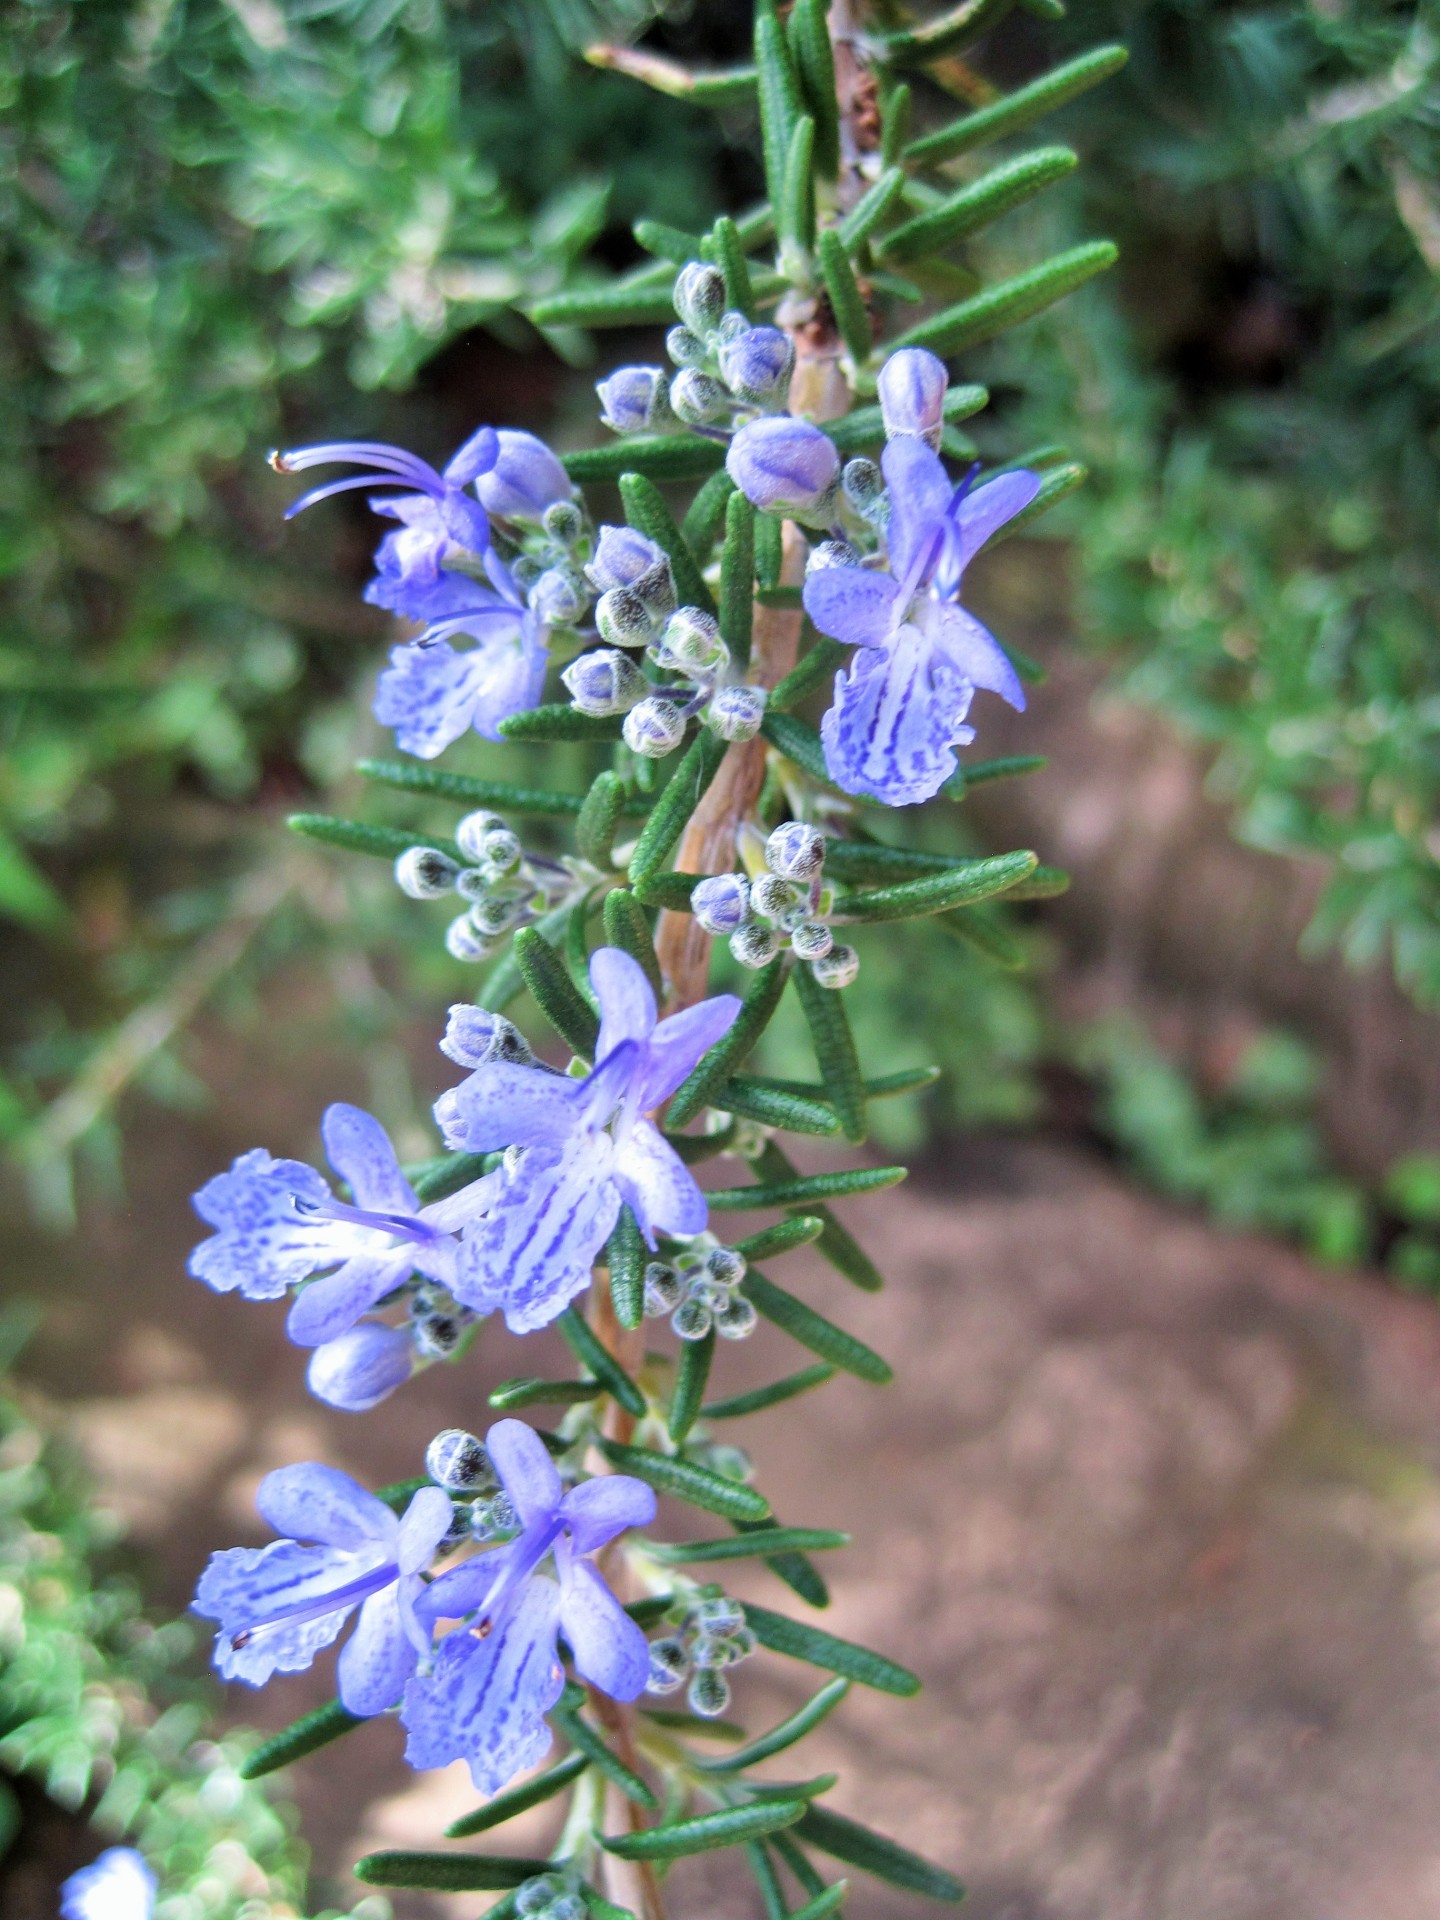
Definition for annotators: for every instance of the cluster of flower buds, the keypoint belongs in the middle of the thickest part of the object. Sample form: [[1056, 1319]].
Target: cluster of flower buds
[[550, 1896], [782, 905], [458, 1462], [711, 1636], [699, 1290], [504, 888], [364, 1365], [550, 571]]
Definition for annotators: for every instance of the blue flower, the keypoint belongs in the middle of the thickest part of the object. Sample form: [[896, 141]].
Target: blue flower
[[586, 1147], [278, 1223], [431, 694], [359, 1368], [901, 706], [492, 1683], [117, 1886], [523, 479], [785, 465], [279, 1605], [912, 389]]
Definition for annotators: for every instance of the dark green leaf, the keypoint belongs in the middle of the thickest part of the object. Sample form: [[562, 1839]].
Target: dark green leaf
[[646, 511], [597, 1905], [1009, 302], [673, 809], [759, 1398], [945, 33], [705, 515], [470, 793], [772, 1896], [737, 578], [800, 1574], [588, 1350], [773, 1106], [846, 301], [835, 1055], [871, 208], [1019, 109], [769, 548], [975, 773], [857, 1846], [387, 843], [793, 1728], [691, 1376], [823, 1904], [808, 37], [780, 99], [686, 1481], [627, 928], [798, 1861], [626, 1256], [804, 1189], [729, 256], [450, 1872], [727, 1827], [803, 1642], [785, 1235], [555, 993], [587, 1741], [659, 456], [974, 206], [604, 307], [455, 1171], [599, 817], [815, 670], [302, 1736], [1056, 485], [762, 996], [668, 243], [1045, 883], [938, 892], [894, 125], [528, 1391], [799, 742], [973, 929], [795, 210], [400, 1493], [520, 1799], [560, 722], [757, 1543], [665, 889], [813, 1330], [836, 1242]]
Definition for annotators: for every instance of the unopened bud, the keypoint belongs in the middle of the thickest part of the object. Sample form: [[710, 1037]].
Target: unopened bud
[[864, 487], [756, 364], [721, 904], [725, 1267], [912, 388], [361, 1367], [838, 968], [632, 398], [690, 1320], [654, 727], [709, 1693], [736, 713], [623, 618], [669, 1664], [494, 914], [559, 596], [736, 1319], [691, 643], [621, 555], [604, 681], [491, 1519], [437, 1335], [831, 553], [485, 838], [686, 348], [564, 521], [796, 851], [463, 941], [698, 398], [456, 1461], [525, 479], [700, 296], [535, 1895], [784, 465], [474, 1036], [773, 897], [811, 940], [663, 1289], [720, 1616], [754, 945], [425, 873]]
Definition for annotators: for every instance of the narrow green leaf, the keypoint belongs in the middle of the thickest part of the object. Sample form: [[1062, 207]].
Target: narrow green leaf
[[798, 1861], [816, 669], [789, 598], [974, 929], [800, 1574], [814, 1331], [804, 1189], [726, 1827], [799, 742], [691, 1377], [795, 210], [836, 1242], [646, 511], [603, 307], [769, 549], [651, 1610], [945, 33], [863, 860], [737, 578], [1009, 302], [686, 1481], [783, 1237], [455, 1171], [804, 1642], [400, 1493], [627, 928], [824, 1902], [772, 1896], [504, 982], [584, 1738], [559, 722], [729, 256], [599, 817], [759, 1398], [795, 1727], [305, 1735], [598, 1906], [1021, 108], [938, 892], [555, 993], [871, 208], [626, 1256], [387, 843], [527, 1391], [772, 1106], [1045, 883], [520, 1800], [794, 1789], [835, 1054], [470, 793], [450, 1872], [591, 1353], [692, 1725], [716, 87], [1056, 485], [762, 996], [857, 1846], [660, 456], [753, 1545], [813, 57], [847, 303], [894, 125], [705, 515], [673, 809], [779, 92], [975, 773], [665, 889], [668, 243], [974, 206]]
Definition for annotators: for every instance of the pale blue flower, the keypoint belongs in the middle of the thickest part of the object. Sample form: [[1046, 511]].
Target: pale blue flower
[[900, 708], [523, 479], [485, 1698], [586, 1147], [279, 1605], [278, 1224], [785, 465], [117, 1886], [359, 1368], [912, 388]]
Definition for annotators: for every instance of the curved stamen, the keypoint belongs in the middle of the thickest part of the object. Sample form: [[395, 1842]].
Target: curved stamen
[[521, 1561], [347, 1596], [400, 1226], [375, 454]]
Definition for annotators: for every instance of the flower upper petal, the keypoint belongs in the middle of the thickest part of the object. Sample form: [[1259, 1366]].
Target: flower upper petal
[[527, 1473], [314, 1502], [920, 495], [505, 1105], [852, 604], [610, 1650], [679, 1041], [359, 1150], [974, 652], [657, 1184], [378, 1659], [981, 514], [598, 1509], [627, 1003]]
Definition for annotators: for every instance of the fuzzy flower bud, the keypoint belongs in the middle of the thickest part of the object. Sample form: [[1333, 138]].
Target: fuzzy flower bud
[[838, 968], [685, 348], [784, 465], [700, 296], [456, 1461], [698, 398], [474, 1036], [795, 851], [564, 521], [633, 398], [559, 596], [735, 713], [487, 840], [753, 945], [811, 940], [831, 553], [864, 487], [773, 897], [621, 556], [912, 388], [604, 681], [721, 904], [654, 727], [525, 479], [725, 1267], [691, 643], [425, 873], [362, 1367], [757, 364], [736, 1319], [463, 940], [623, 618]]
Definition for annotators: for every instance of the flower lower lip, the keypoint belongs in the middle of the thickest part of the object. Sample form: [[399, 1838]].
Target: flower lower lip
[[347, 1596], [399, 1226]]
